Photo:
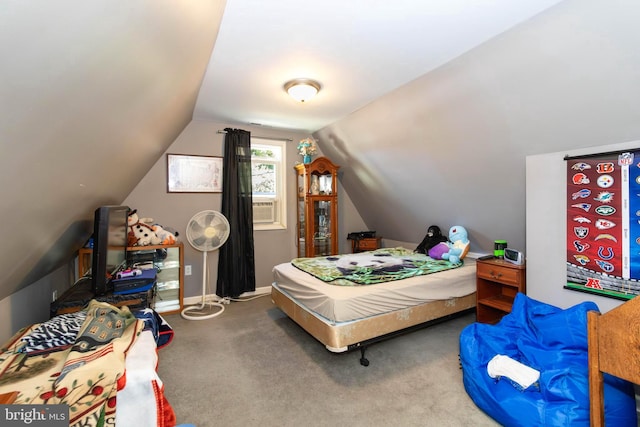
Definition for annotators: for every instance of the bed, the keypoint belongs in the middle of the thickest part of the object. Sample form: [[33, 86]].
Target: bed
[[352, 316], [99, 362]]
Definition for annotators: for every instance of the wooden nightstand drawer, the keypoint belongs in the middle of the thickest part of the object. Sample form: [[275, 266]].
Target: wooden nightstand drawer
[[366, 244], [499, 273]]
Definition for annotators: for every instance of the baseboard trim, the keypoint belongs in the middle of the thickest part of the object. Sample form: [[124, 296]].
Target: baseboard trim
[[263, 290]]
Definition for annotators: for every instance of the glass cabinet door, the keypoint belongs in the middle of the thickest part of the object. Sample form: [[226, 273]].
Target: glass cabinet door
[[301, 228], [168, 261], [322, 228], [325, 183], [168, 282], [301, 212]]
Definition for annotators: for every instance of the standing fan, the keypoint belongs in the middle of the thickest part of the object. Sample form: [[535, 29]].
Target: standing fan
[[206, 231]]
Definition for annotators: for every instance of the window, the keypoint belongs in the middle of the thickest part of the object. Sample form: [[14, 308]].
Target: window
[[268, 177]]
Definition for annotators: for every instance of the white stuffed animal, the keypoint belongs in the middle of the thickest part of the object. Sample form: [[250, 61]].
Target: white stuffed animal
[[166, 237], [140, 232]]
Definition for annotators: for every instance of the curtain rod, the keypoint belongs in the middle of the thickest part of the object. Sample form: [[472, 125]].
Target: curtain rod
[[263, 137], [606, 153]]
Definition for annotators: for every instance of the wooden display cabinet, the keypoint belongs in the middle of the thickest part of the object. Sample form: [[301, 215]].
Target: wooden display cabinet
[[317, 208], [168, 298], [498, 281]]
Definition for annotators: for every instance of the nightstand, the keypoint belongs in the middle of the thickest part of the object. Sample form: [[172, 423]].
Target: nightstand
[[366, 244], [497, 281]]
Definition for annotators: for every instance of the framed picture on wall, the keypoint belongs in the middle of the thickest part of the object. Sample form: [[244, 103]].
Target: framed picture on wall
[[194, 174]]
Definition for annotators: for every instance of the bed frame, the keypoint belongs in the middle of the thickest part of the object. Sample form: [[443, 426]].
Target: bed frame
[[614, 340], [359, 334]]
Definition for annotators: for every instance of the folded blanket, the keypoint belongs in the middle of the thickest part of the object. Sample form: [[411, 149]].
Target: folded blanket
[[56, 334], [142, 401], [154, 322], [94, 370], [504, 366]]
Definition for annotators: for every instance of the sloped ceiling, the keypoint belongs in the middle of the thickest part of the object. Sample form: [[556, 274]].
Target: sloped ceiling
[[91, 94], [358, 50]]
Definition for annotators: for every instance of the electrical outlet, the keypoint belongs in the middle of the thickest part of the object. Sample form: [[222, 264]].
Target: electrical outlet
[[54, 295], [187, 270]]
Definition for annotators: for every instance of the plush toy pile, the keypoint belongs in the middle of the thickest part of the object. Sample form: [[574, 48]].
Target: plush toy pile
[[166, 236], [433, 237], [140, 232], [143, 233], [455, 249]]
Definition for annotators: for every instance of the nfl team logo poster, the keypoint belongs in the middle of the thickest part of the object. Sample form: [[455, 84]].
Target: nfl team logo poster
[[603, 224]]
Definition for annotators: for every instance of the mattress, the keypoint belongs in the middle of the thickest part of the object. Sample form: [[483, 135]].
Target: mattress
[[347, 303]]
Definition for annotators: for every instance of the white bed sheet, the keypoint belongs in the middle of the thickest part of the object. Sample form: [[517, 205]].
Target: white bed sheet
[[346, 303], [139, 403]]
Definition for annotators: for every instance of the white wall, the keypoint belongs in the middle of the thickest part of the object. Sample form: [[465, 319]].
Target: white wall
[[31, 304], [546, 228]]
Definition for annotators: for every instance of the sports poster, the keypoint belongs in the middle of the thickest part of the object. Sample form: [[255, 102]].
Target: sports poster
[[603, 224]]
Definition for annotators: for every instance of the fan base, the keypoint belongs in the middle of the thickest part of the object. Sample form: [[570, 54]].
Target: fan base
[[195, 312]]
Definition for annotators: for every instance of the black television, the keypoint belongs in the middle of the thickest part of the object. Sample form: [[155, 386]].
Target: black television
[[110, 229]]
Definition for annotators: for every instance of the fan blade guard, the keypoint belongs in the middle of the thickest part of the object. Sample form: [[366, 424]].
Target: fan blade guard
[[207, 230]]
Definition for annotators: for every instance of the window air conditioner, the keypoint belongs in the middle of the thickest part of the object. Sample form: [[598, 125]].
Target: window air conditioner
[[264, 211]]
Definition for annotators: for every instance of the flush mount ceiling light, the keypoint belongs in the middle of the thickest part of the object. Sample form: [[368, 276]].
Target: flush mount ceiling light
[[302, 90]]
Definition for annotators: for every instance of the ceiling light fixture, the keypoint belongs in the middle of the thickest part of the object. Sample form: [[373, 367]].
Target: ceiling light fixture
[[302, 90]]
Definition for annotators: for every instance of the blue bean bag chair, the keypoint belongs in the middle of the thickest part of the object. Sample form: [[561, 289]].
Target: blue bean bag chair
[[553, 342]]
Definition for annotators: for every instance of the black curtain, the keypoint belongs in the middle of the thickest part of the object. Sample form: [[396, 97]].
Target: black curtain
[[236, 265]]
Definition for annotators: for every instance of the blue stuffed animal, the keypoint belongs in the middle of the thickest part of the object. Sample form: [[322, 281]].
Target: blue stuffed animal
[[458, 244]]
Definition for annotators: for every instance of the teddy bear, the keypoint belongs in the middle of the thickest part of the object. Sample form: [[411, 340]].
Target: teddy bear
[[140, 232], [433, 237], [455, 249], [167, 237]]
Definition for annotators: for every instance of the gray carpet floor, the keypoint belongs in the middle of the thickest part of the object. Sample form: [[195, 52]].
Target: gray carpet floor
[[253, 366]]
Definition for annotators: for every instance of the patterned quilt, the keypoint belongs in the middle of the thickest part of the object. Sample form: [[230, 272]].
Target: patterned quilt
[[368, 268], [82, 367]]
